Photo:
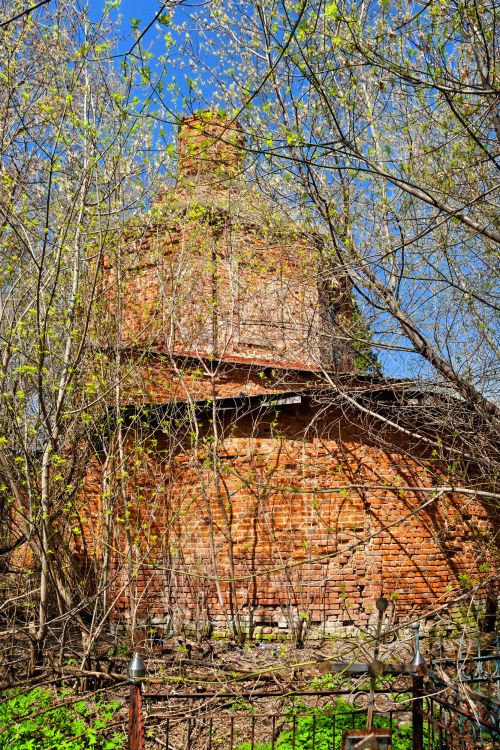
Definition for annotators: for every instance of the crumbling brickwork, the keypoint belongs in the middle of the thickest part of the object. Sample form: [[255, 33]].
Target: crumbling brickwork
[[217, 271], [307, 514]]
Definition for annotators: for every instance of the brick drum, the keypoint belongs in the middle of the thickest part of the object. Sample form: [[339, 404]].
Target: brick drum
[[243, 490]]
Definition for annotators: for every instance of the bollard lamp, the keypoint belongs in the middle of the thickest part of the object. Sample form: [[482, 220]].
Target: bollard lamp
[[136, 669]]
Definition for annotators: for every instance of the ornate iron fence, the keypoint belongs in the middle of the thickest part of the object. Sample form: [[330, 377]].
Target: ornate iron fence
[[417, 720], [456, 706], [462, 704], [450, 727]]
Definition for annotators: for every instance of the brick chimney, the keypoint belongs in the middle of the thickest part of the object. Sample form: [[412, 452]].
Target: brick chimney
[[210, 148]]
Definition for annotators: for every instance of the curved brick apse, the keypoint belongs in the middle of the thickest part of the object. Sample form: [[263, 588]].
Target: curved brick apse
[[306, 512]]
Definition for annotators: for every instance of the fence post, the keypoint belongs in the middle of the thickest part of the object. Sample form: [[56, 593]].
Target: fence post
[[418, 714], [135, 726], [136, 673]]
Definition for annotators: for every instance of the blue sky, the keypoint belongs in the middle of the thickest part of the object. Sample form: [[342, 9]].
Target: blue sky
[[144, 10]]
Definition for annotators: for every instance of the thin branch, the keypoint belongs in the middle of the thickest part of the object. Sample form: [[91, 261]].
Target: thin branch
[[23, 13]]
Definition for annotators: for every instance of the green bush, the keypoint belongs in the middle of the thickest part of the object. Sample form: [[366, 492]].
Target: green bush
[[323, 728], [72, 727]]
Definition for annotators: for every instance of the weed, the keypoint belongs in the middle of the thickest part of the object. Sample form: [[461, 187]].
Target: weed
[[31, 724], [322, 729]]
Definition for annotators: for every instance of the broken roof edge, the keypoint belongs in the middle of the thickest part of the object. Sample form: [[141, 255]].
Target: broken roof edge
[[285, 397], [222, 360], [256, 363], [314, 379], [253, 362]]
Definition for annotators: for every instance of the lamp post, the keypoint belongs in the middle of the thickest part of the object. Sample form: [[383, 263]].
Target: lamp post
[[136, 673]]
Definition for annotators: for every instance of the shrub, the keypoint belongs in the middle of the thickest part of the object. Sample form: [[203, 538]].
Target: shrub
[[322, 729], [78, 726]]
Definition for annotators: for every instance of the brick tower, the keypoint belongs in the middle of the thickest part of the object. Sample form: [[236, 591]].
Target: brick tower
[[220, 273], [246, 491]]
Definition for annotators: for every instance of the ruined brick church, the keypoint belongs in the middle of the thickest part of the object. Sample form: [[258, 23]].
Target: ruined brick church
[[259, 483]]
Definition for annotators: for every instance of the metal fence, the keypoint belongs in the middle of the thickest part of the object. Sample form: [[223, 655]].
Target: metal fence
[[462, 706], [450, 727], [321, 729], [223, 721], [422, 722], [455, 707], [300, 731]]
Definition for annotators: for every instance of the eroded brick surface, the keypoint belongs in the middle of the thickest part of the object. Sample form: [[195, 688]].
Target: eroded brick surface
[[281, 496], [215, 270]]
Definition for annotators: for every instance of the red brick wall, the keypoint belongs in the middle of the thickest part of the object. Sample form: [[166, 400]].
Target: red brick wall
[[237, 294], [279, 499], [210, 148]]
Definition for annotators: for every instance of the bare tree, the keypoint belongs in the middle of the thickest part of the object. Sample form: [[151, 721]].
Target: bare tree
[[384, 138], [70, 176]]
